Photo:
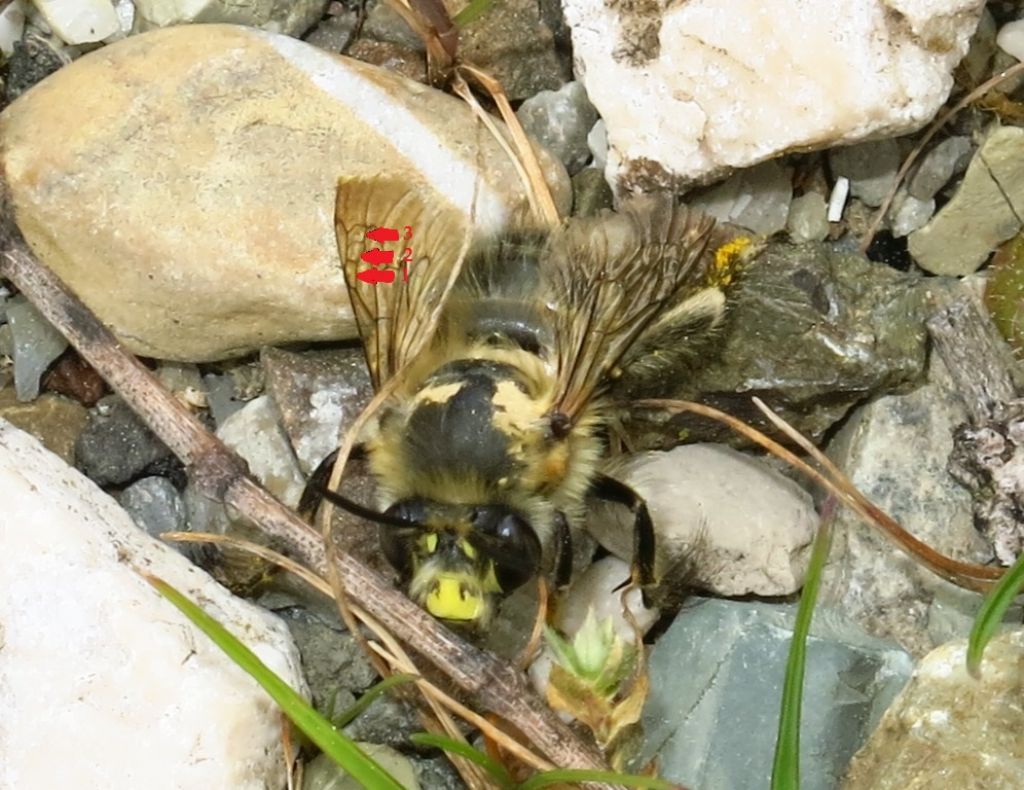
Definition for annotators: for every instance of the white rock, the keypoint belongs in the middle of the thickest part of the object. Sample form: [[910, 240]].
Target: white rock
[[597, 142], [741, 525], [104, 683], [12, 25], [691, 90], [1010, 38], [80, 21], [183, 181], [292, 18]]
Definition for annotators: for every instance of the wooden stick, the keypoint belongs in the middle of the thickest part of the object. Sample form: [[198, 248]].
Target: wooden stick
[[220, 474]]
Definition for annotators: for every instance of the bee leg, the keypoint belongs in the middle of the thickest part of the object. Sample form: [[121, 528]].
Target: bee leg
[[312, 494], [563, 551], [612, 490]]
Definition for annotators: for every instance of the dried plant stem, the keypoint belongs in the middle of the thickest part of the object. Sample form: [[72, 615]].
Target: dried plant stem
[[220, 474], [977, 578], [939, 122]]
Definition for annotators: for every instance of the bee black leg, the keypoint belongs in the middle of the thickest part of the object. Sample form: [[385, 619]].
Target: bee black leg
[[563, 551], [612, 490], [312, 494]]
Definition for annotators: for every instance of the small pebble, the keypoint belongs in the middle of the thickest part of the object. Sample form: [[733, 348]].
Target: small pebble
[[757, 198], [322, 773], [36, 345], [80, 21], [220, 396], [808, 219], [156, 506], [12, 25], [837, 200], [910, 214], [34, 58], [1010, 38], [938, 166], [871, 168], [560, 121], [597, 142], [116, 446]]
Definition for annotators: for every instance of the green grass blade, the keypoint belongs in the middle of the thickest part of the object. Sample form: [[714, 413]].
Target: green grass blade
[[347, 717], [340, 748], [452, 746], [992, 611], [472, 12], [786, 767], [579, 775]]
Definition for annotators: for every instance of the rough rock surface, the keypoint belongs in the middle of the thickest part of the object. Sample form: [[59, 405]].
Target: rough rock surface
[[692, 90], [895, 450], [55, 421], [725, 520], [292, 17], [183, 181], [716, 682], [93, 656], [812, 332], [947, 729], [986, 209]]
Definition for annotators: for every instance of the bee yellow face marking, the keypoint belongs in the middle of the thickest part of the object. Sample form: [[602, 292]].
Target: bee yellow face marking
[[467, 549], [449, 599], [430, 542]]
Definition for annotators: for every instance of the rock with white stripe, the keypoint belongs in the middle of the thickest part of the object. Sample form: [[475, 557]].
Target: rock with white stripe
[[182, 181]]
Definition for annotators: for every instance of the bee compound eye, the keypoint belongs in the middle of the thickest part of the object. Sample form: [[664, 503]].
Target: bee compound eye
[[519, 558], [397, 547], [412, 510]]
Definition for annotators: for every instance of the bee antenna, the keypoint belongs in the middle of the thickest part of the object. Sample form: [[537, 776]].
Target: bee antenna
[[369, 514]]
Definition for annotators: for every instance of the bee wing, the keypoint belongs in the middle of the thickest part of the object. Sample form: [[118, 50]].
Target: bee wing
[[608, 278], [396, 319]]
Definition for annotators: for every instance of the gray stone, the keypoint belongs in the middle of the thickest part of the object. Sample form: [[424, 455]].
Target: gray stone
[[590, 192], [910, 214], [117, 447], [156, 506], [716, 684], [725, 522], [316, 392], [756, 198], [985, 211], [220, 396], [807, 220], [36, 344], [948, 729], [383, 23], [334, 33], [322, 773], [511, 42], [34, 58], [387, 721], [871, 168], [254, 433], [939, 165], [812, 331], [335, 667], [437, 773], [561, 120], [895, 450], [292, 18]]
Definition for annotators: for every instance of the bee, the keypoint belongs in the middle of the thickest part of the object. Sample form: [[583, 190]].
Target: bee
[[507, 363]]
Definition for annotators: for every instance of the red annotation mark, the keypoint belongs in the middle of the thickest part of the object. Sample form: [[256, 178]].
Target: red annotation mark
[[378, 257]]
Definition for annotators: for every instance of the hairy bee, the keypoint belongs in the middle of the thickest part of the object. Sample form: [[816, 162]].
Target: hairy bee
[[505, 366]]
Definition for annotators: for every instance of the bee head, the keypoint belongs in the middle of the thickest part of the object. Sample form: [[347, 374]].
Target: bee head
[[460, 559]]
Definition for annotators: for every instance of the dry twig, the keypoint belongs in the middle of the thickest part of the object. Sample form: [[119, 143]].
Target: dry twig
[[221, 475]]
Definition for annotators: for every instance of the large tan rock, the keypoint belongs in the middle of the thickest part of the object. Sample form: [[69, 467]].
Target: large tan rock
[[948, 729], [182, 181]]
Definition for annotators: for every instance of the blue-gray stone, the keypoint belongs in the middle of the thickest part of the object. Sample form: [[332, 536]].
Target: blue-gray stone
[[36, 344], [716, 684]]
